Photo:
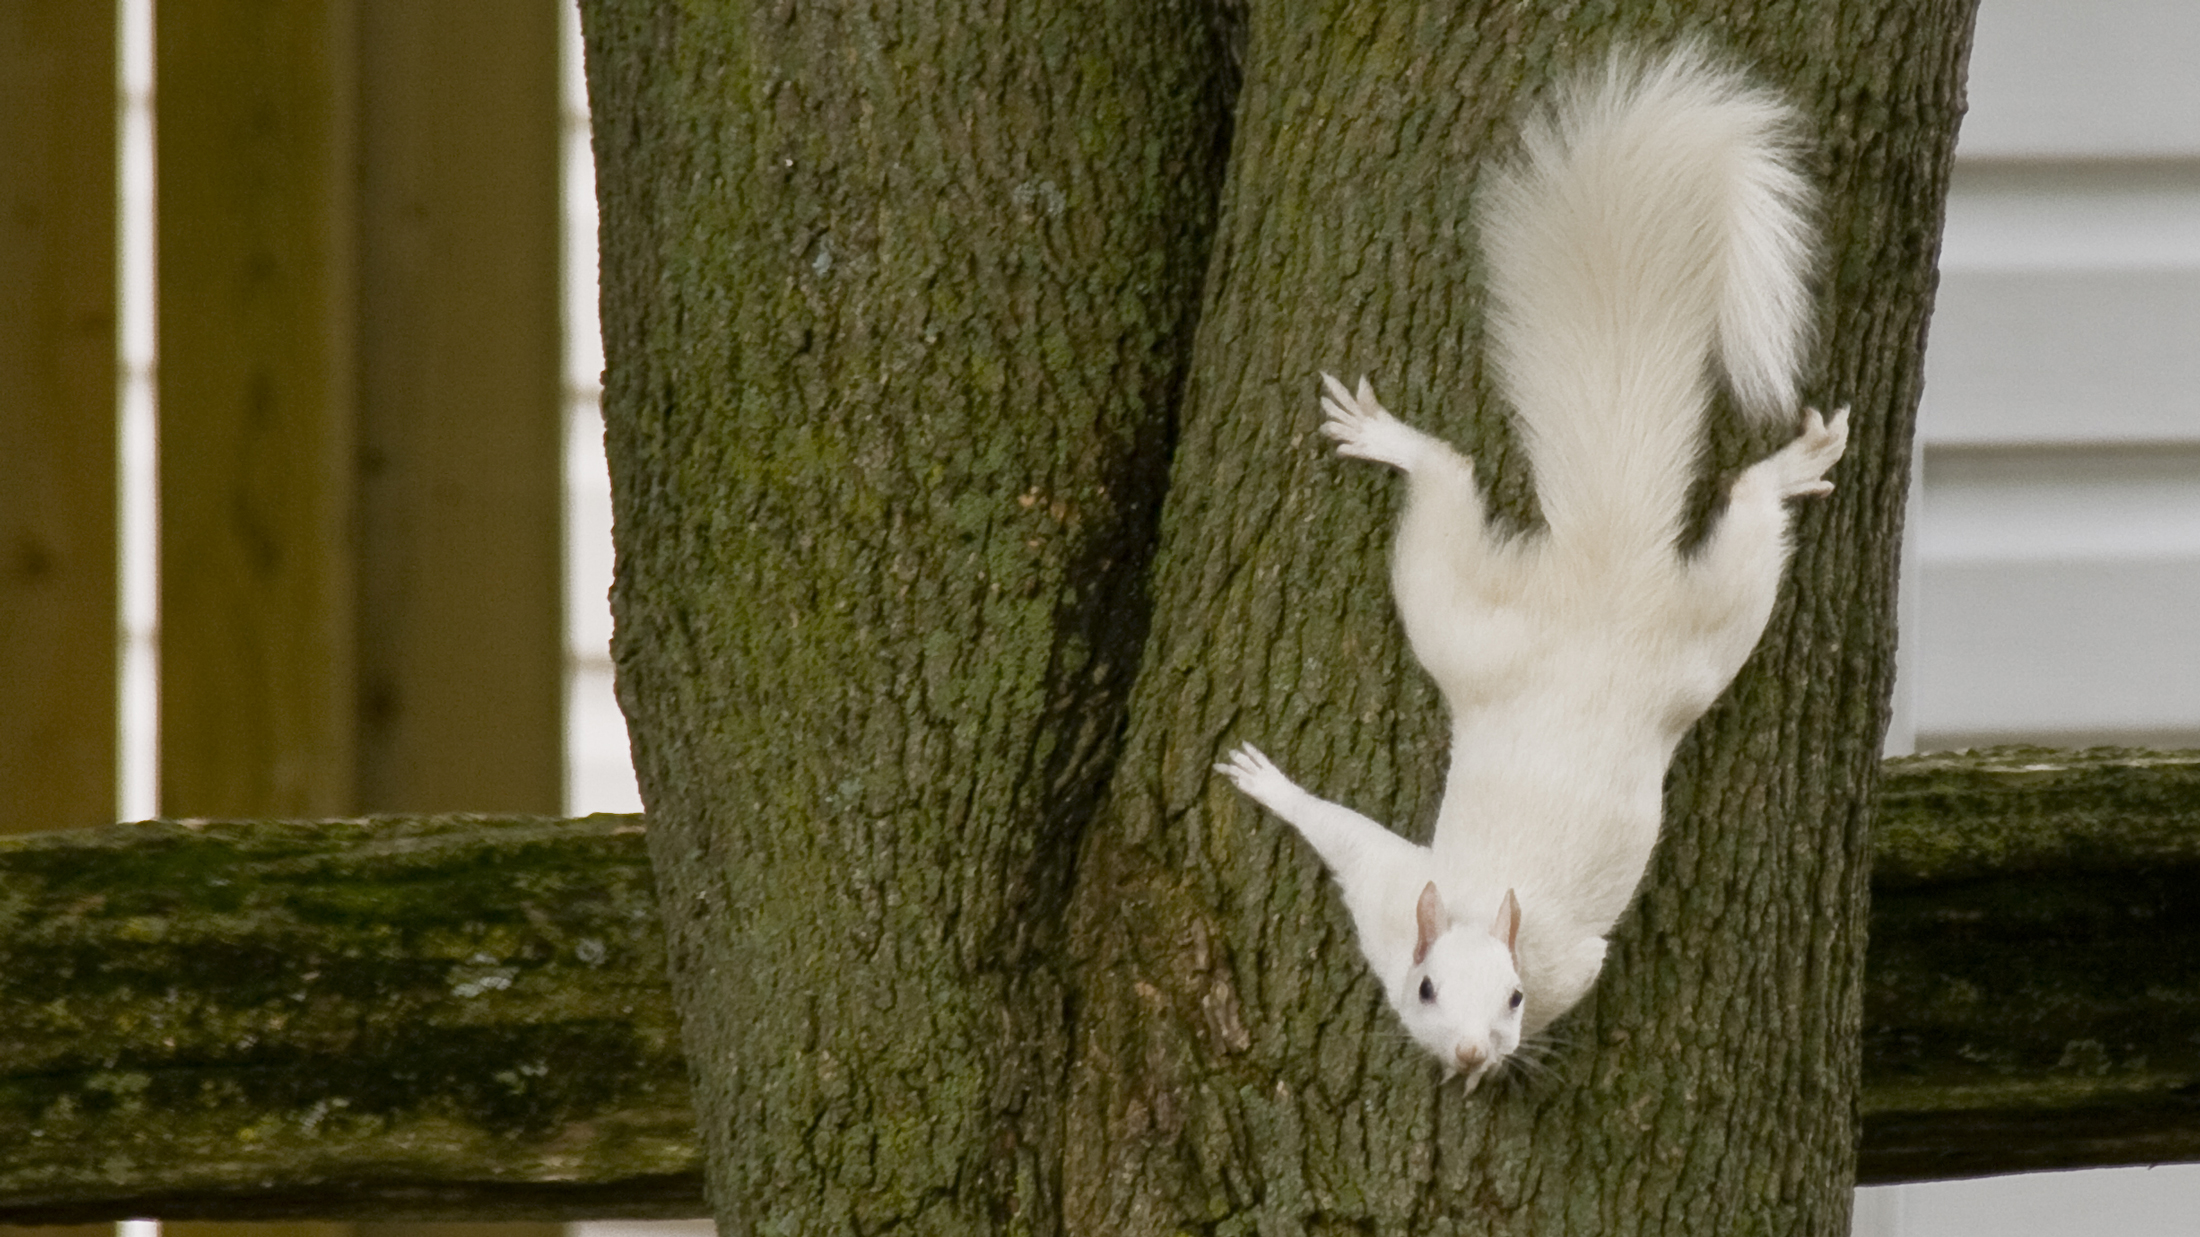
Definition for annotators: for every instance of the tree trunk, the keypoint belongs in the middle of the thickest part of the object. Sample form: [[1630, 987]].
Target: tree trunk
[[1235, 1066], [897, 307]]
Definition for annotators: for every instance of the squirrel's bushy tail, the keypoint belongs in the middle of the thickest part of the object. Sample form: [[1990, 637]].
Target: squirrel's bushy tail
[[1653, 222]]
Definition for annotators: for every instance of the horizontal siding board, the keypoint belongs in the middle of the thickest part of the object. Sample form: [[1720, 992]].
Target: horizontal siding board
[[2114, 503], [2103, 356], [2073, 215], [2057, 646], [2109, 78]]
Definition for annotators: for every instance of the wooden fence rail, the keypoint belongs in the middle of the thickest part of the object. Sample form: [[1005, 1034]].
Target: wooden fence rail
[[468, 1017]]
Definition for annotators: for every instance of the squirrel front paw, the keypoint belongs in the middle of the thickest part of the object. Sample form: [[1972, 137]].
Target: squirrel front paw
[[1252, 772], [1365, 430], [1799, 468]]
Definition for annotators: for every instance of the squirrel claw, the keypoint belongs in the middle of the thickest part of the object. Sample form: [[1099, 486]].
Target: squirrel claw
[[1245, 761], [1364, 429], [1252, 772], [1799, 468]]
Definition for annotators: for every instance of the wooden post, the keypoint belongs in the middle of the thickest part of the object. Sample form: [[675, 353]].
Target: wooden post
[[57, 415], [58, 623], [461, 623], [361, 428], [255, 243], [256, 443], [360, 406]]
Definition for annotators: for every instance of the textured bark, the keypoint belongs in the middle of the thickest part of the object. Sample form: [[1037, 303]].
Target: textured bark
[[1236, 1069], [2035, 964], [897, 307], [178, 1046], [381, 1018]]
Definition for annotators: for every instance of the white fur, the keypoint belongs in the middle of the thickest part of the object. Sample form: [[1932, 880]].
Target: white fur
[[1653, 224]]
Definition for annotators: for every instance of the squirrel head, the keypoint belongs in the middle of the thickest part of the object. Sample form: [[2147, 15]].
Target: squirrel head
[[1462, 998]]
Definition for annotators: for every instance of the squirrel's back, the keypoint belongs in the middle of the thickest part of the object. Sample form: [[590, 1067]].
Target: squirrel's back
[[1653, 224]]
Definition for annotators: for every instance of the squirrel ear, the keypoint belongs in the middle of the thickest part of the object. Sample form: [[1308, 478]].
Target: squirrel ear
[[1429, 917], [1507, 925]]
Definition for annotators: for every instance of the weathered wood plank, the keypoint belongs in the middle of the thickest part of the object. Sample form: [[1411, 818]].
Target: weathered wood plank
[[468, 1017], [459, 1017], [461, 432], [57, 415], [58, 423], [2032, 998], [256, 243], [58, 379]]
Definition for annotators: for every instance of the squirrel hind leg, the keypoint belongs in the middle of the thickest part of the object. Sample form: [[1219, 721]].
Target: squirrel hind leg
[[1459, 585], [1444, 515], [1798, 470], [1444, 529], [1446, 568], [1733, 580], [1365, 430]]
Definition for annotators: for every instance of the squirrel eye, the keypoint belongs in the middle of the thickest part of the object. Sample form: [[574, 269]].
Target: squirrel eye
[[1428, 992], [1516, 998]]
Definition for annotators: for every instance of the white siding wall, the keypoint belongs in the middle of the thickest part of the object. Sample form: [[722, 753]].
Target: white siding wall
[[2054, 589], [2058, 544], [599, 772]]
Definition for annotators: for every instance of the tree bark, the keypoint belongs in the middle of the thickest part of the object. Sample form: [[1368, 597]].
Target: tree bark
[[897, 307], [1235, 1067]]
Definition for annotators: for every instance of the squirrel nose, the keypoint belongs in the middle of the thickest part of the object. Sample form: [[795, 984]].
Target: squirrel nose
[[1471, 1057]]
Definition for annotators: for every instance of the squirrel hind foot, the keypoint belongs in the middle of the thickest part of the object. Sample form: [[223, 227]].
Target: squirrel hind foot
[[1365, 430], [1801, 465]]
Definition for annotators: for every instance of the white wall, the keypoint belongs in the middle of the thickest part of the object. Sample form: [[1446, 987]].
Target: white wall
[[2055, 579], [599, 775], [2059, 537]]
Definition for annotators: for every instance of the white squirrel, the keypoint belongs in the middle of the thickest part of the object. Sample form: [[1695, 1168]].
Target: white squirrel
[[1654, 224]]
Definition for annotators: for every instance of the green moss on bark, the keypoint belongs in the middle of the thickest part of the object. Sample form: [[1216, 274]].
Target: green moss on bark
[[333, 1016], [897, 307], [1236, 1070]]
